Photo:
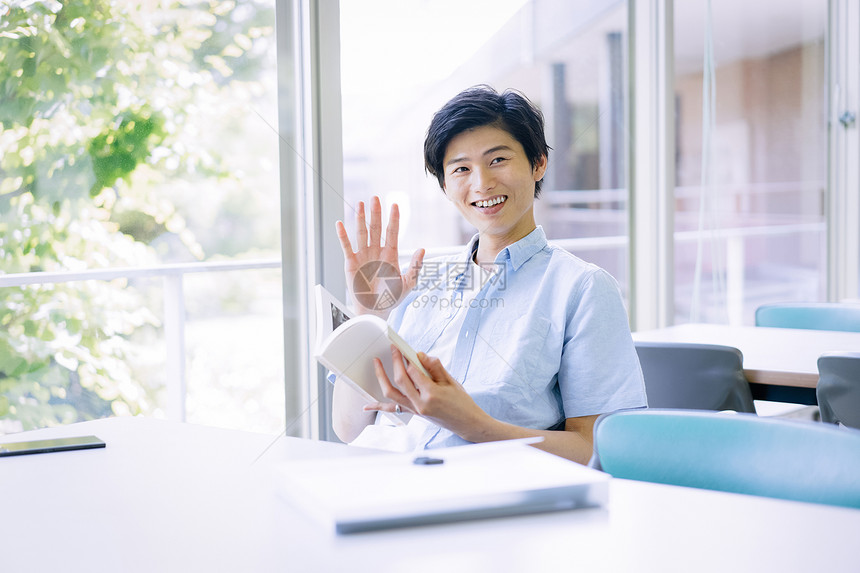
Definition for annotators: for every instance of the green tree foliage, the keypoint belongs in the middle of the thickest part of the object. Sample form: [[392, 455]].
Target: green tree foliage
[[94, 101]]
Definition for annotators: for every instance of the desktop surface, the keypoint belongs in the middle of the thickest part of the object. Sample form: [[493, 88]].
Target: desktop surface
[[781, 364], [164, 496], [777, 356]]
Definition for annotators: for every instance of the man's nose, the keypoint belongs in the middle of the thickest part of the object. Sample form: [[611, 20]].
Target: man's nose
[[484, 179]]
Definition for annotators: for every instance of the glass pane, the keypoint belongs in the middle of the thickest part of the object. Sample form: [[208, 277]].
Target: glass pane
[[570, 60], [136, 136], [752, 229]]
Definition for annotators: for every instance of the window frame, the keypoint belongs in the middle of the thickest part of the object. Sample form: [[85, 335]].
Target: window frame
[[843, 182], [311, 161]]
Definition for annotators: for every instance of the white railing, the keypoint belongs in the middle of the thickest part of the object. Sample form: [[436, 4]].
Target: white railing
[[732, 239], [582, 244], [174, 307]]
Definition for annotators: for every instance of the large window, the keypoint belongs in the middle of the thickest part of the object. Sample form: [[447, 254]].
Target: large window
[[751, 171], [401, 61], [139, 219], [144, 148]]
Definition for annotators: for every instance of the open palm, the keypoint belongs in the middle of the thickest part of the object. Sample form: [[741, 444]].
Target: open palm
[[372, 270]]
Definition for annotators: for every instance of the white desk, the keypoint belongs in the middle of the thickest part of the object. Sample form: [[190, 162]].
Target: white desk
[[170, 497]]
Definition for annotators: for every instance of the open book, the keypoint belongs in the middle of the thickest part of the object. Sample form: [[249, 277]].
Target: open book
[[347, 345]]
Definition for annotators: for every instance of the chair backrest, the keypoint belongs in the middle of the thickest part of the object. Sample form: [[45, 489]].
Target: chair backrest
[[810, 315], [694, 376], [741, 453], [838, 388]]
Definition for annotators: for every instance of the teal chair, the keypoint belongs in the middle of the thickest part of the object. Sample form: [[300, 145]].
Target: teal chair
[[810, 315], [838, 390], [741, 453]]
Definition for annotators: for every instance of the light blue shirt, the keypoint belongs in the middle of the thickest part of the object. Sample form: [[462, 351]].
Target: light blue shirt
[[546, 339]]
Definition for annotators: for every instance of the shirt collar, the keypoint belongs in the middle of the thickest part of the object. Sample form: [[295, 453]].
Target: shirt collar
[[518, 253]]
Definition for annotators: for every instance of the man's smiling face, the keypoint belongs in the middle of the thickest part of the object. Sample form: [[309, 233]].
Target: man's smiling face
[[490, 180]]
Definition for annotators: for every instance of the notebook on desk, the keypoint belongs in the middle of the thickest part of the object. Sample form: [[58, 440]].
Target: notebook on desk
[[369, 492]]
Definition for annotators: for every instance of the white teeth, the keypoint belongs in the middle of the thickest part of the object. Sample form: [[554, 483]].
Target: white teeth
[[490, 202]]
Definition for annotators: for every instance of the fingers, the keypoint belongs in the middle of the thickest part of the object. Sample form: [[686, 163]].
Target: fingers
[[393, 229], [434, 367], [375, 222], [361, 226], [388, 389], [389, 407], [343, 237], [371, 236], [414, 270], [407, 382]]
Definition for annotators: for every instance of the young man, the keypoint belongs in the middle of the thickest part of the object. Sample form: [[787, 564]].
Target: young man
[[526, 339]]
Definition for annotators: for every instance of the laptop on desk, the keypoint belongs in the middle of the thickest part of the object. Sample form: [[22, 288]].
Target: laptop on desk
[[370, 492]]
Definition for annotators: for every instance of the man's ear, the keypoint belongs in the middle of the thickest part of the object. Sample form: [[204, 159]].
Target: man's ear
[[539, 169]]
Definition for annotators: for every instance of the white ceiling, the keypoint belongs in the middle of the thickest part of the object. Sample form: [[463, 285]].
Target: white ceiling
[[745, 28]]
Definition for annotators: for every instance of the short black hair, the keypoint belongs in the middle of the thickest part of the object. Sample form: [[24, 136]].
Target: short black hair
[[479, 106]]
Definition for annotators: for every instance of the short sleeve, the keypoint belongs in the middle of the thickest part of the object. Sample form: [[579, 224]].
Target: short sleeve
[[600, 370]]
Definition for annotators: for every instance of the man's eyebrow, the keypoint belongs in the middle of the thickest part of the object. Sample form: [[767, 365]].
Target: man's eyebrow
[[490, 151], [498, 148]]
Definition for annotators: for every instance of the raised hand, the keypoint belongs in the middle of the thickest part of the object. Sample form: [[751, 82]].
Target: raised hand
[[372, 271]]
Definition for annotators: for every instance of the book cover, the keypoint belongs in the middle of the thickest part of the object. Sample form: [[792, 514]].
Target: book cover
[[347, 345]]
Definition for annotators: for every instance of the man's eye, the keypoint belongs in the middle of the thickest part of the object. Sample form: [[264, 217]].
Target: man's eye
[[460, 169], [497, 160]]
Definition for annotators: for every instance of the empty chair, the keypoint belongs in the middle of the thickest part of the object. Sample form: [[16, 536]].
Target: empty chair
[[741, 453], [838, 388], [694, 376], [810, 315]]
